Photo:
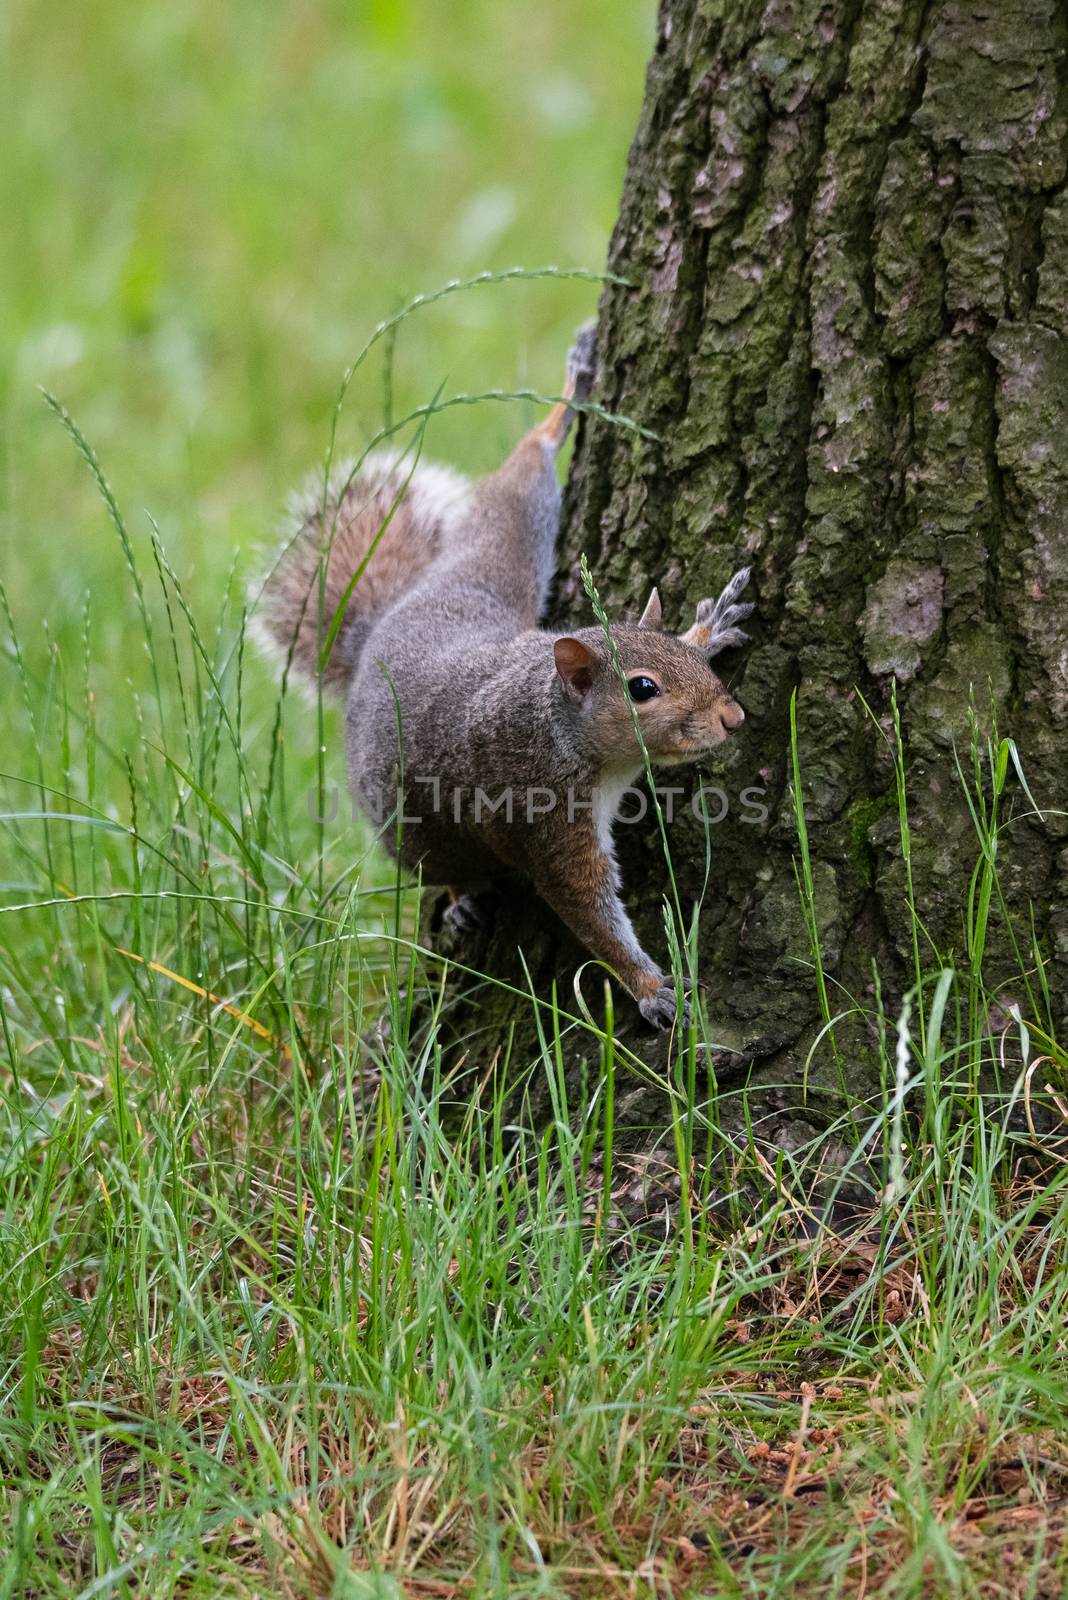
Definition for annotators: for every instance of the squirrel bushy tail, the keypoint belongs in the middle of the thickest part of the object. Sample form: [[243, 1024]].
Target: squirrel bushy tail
[[429, 592], [319, 559]]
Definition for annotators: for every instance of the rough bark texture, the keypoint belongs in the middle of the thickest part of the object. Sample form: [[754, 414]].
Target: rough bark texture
[[846, 225]]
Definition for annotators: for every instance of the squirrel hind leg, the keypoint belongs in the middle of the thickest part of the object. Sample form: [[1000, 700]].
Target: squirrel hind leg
[[582, 362], [581, 371], [470, 912]]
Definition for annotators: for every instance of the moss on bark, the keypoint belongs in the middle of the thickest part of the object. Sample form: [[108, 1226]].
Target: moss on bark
[[846, 227]]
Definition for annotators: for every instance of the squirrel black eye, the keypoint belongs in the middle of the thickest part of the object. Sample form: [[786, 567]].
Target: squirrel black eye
[[642, 688]]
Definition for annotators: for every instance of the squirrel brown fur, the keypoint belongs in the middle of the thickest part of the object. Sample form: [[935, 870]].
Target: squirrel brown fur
[[516, 743]]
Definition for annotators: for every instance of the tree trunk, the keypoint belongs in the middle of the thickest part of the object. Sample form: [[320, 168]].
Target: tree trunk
[[845, 227]]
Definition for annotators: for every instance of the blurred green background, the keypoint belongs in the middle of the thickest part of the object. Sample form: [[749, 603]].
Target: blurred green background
[[207, 207]]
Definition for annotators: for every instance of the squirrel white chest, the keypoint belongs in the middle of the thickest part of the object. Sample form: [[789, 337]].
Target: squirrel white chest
[[606, 802]]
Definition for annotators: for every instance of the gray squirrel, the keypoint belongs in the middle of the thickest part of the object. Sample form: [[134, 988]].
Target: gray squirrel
[[439, 639]]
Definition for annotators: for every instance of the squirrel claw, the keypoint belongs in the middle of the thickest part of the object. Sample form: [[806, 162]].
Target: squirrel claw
[[467, 914], [661, 1009]]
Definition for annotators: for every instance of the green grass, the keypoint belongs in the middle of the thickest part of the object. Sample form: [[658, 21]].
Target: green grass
[[270, 1325], [208, 207], [269, 1328], [273, 1325]]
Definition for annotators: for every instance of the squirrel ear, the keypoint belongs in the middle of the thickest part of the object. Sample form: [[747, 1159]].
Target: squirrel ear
[[651, 616], [716, 626], [574, 663]]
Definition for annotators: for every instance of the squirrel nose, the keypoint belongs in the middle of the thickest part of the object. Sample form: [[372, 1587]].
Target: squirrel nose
[[731, 715]]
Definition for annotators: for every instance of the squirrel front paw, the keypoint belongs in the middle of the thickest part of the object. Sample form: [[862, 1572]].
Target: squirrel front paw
[[660, 1008]]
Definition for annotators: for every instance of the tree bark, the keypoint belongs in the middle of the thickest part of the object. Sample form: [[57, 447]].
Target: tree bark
[[845, 227]]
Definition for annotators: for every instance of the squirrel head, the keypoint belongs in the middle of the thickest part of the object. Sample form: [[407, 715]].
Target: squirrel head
[[683, 708]]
